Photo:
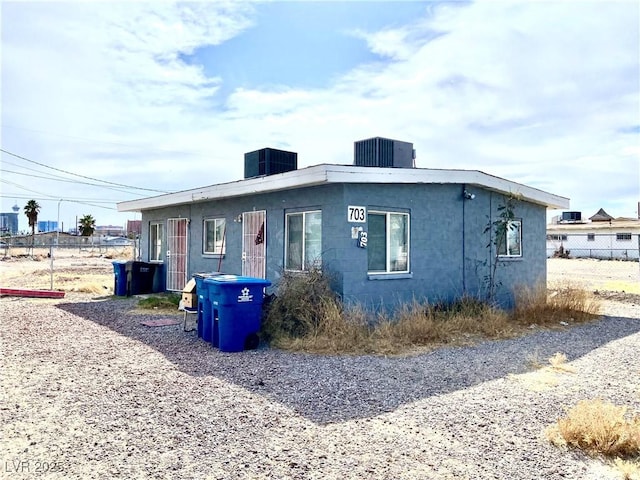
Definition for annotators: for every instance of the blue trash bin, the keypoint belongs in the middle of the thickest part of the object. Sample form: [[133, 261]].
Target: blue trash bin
[[205, 320], [236, 303], [120, 278]]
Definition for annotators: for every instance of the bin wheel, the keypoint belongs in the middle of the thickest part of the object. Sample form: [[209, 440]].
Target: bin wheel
[[251, 342]]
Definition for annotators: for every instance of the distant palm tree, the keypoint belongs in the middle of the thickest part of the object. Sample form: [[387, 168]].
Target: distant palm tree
[[87, 225], [31, 210]]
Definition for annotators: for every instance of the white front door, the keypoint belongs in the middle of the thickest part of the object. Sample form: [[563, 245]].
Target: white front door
[[254, 244], [177, 229]]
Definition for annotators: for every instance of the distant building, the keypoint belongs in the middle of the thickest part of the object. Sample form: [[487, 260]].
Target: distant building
[[9, 221], [47, 226], [134, 227], [601, 236], [109, 231], [115, 241]]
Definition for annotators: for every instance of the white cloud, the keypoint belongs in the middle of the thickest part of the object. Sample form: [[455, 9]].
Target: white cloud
[[537, 92], [109, 72]]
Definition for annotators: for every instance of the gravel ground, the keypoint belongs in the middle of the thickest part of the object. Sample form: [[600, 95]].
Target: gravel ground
[[88, 392]]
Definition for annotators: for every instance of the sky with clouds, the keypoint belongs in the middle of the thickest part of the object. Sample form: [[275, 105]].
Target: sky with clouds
[[168, 96]]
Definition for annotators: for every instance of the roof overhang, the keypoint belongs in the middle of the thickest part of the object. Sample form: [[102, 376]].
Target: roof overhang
[[334, 174]]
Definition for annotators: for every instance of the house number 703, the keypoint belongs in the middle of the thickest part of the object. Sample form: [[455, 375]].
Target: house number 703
[[362, 240], [356, 214]]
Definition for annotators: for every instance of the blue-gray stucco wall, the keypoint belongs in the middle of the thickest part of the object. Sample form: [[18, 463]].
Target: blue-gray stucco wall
[[449, 253]]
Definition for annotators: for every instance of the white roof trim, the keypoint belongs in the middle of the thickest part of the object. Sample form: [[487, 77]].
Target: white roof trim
[[332, 174]]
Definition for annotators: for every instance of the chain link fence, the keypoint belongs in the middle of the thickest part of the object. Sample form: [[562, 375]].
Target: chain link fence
[[109, 249], [602, 262]]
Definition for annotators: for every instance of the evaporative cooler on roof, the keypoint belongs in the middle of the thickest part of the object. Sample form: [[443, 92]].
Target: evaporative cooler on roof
[[269, 161]]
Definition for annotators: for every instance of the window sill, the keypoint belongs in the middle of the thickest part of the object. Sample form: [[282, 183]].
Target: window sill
[[389, 276], [509, 258], [213, 255]]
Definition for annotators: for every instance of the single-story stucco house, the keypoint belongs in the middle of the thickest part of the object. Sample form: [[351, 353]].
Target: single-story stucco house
[[385, 231]]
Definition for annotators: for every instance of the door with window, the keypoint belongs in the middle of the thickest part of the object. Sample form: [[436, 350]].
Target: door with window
[[254, 244], [177, 229]]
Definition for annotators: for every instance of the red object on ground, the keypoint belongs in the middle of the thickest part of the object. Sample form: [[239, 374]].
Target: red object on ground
[[19, 292]]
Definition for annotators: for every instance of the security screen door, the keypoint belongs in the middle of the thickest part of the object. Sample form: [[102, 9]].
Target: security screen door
[[177, 253], [254, 244]]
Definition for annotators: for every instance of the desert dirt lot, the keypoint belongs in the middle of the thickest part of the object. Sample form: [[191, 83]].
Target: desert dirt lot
[[70, 271], [88, 391], [592, 274]]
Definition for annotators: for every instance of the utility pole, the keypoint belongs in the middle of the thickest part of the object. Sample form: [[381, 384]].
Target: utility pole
[[51, 248]]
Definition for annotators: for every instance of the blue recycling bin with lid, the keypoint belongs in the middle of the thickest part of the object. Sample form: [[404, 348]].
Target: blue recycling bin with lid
[[236, 303], [120, 278], [205, 320]]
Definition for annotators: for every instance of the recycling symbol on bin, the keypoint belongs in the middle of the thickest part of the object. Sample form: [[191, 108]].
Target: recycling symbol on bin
[[245, 296]]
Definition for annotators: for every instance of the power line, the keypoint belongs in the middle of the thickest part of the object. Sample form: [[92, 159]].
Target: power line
[[54, 198], [57, 178], [22, 187], [81, 176]]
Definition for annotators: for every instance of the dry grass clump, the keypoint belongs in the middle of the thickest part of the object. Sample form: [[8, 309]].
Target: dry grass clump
[[303, 303], [544, 376], [420, 324], [599, 428], [558, 362], [306, 315], [629, 469], [334, 334], [565, 302], [84, 283], [91, 287], [120, 253]]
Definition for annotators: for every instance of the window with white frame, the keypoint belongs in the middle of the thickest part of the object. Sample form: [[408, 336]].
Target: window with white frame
[[156, 239], [591, 237], [623, 236], [213, 238], [303, 247], [511, 245], [387, 242]]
